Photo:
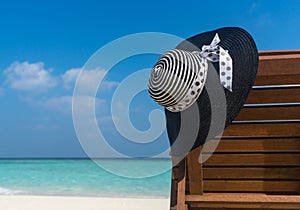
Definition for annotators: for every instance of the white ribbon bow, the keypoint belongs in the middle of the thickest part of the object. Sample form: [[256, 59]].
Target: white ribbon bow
[[215, 53]]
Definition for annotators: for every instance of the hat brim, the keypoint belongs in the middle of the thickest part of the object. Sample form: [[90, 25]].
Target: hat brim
[[244, 54]]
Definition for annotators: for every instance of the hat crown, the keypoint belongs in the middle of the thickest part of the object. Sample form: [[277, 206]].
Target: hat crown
[[172, 77]]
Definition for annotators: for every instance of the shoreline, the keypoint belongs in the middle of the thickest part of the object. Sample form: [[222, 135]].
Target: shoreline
[[33, 202]]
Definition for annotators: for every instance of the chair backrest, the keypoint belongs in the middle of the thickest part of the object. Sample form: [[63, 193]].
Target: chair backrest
[[259, 154], [260, 151]]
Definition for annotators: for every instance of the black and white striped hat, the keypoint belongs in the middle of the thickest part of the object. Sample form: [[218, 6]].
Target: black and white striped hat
[[179, 76], [178, 79]]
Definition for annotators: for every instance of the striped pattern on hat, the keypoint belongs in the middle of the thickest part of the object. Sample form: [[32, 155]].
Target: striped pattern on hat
[[177, 79]]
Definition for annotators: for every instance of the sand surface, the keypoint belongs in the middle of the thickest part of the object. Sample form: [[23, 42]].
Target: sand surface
[[18, 202]]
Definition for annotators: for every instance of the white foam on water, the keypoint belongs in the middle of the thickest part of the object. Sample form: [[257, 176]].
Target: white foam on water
[[6, 191]]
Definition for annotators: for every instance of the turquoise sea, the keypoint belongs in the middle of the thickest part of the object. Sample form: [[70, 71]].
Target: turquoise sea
[[82, 177]]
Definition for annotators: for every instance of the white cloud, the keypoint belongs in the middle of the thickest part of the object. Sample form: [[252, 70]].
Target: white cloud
[[85, 103], [70, 77], [29, 77], [34, 78], [89, 79], [108, 85], [64, 103]]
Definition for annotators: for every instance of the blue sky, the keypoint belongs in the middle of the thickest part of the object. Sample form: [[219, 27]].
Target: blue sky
[[44, 44]]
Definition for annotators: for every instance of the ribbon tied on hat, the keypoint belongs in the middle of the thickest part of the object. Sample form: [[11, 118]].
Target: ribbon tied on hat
[[216, 53]]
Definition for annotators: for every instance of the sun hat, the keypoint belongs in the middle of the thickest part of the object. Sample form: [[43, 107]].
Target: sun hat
[[179, 78]]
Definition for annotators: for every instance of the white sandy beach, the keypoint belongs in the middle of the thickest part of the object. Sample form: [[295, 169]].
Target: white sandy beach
[[18, 202]]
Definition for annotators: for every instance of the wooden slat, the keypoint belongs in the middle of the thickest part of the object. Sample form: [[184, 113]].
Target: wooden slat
[[243, 201], [284, 95], [242, 197], [177, 168], [259, 145], [242, 206], [281, 159], [269, 113], [174, 187], [181, 186], [195, 172], [278, 80], [251, 186], [178, 183], [209, 207], [281, 53], [278, 69], [278, 129], [279, 65], [252, 173]]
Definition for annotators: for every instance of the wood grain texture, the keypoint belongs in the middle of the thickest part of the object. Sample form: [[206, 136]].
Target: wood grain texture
[[244, 159], [251, 186], [289, 79], [242, 201], [279, 145], [278, 129], [242, 206], [270, 113], [254, 161], [252, 173], [195, 174], [281, 53], [283, 95], [278, 69], [278, 65], [242, 197], [181, 186]]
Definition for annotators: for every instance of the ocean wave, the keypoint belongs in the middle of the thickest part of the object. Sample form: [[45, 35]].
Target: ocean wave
[[6, 191]]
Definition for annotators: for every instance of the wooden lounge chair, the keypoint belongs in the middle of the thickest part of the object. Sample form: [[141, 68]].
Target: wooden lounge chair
[[257, 162]]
